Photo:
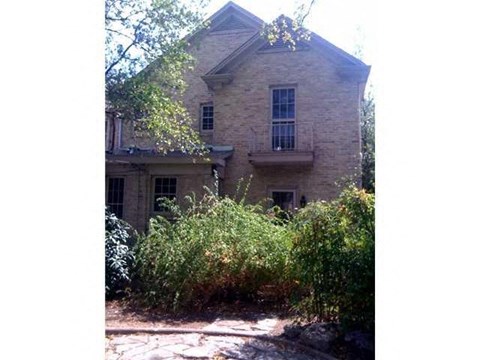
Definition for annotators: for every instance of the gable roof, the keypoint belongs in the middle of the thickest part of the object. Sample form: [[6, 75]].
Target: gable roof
[[231, 15], [231, 7], [347, 63], [257, 41]]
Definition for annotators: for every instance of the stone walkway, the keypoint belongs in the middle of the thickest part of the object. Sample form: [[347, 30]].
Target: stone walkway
[[199, 346]]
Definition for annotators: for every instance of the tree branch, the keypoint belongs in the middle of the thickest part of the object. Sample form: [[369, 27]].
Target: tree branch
[[119, 58], [124, 18], [120, 33], [307, 13], [127, 49]]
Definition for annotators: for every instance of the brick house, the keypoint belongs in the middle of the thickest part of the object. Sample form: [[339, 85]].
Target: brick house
[[288, 118]]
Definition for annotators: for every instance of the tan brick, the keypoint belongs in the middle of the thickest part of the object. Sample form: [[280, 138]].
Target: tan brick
[[323, 98]]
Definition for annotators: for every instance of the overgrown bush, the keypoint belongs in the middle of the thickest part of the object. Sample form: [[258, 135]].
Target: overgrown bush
[[216, 247], [333, 251], [118, 255]]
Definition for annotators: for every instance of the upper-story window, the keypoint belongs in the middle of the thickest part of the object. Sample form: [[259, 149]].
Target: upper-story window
[[283, 104], [283, 119], [207, 117]]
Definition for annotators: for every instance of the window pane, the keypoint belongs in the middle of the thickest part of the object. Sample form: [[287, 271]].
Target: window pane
[[283, 199], [207, 117], [276, 197], [283, 104], [276, 112], [291, 95], [120, 196], [109, 194], [115, 196], [276, 97], [117, 210], [291, 111], [283, 136], [165, 188], [207, 124]]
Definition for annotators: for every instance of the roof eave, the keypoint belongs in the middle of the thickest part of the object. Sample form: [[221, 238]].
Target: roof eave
[[354, 72], [217, 81], [225, 66], [138, 159], [343, 54]]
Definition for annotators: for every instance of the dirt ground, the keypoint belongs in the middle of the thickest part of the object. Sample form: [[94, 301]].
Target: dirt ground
[[121, 313]]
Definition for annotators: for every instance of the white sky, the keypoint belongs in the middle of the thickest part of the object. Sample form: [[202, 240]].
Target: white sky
[[345, 23]]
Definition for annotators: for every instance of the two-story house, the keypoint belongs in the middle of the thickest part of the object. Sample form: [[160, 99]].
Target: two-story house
[[288, 118]]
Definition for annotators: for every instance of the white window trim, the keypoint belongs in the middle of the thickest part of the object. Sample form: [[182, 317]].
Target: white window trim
[[287, 120], [283, 87], [202, 130], [152, 198]]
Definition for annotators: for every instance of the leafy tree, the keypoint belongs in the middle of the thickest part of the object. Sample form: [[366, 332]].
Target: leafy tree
[[367, 123], [334, 255], [290, 31], [145, 59]]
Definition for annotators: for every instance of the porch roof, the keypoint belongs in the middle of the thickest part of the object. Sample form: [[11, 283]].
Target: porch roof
[[216, 155]]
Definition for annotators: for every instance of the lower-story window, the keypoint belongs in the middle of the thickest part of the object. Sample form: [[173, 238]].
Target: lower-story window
[[115, 196], [166, 188], [284, 199]]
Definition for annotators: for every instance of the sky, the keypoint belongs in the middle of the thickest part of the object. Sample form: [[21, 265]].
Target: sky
[[345, 23]]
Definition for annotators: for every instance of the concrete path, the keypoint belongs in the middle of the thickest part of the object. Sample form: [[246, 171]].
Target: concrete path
[[199, 346]]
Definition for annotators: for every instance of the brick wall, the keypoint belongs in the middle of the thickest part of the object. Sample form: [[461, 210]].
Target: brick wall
[[322, 98], [139, 180], [208, 52]]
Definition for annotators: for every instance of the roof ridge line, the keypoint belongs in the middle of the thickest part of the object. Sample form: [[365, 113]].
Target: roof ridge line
[[255, 19]]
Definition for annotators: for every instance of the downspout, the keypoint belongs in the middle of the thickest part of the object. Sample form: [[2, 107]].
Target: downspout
[[110, 131], [140, 169], [112, 141]]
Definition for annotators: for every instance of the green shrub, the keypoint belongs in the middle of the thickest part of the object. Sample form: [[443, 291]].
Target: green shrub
[[216, 247], [333, 252], [118, 255]]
